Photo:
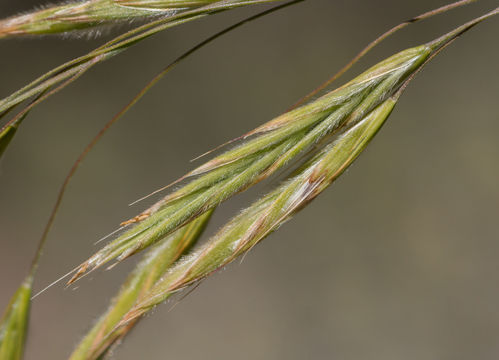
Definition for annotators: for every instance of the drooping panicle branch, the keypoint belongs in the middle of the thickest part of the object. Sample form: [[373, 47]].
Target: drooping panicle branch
[[92, 14]]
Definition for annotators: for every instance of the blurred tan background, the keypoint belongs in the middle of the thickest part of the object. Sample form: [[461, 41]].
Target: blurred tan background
[[397, 260]]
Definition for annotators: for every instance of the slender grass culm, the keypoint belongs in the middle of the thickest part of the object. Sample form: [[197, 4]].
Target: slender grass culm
[[324, 135], [58, 78]]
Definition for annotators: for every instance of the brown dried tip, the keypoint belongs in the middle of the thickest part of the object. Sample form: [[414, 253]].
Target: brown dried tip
[[7, 29], [137, 218], [83, 268]]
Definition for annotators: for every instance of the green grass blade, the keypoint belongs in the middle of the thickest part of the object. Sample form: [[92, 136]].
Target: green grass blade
[[14, 324]]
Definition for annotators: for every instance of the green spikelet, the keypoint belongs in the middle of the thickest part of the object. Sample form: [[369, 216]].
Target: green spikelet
[[266, 150], [91, 13], [266, 215], [14, 324], [139, 282]]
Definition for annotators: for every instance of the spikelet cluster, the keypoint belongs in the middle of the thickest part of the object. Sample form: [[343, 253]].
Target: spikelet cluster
[[330, 132], [79, 15], [263, 151], [156, 261]]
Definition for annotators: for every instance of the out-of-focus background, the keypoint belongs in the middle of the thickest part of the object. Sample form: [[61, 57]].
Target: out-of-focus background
[[397, 260]]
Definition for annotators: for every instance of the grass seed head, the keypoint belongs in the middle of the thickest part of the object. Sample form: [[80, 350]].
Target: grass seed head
[[87, 14], [262, 152], [263, 217], [159, 258]]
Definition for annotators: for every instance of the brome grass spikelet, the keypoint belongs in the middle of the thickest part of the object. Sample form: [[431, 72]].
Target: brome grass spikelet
[[137, 285], [267, 149], [80, 15]]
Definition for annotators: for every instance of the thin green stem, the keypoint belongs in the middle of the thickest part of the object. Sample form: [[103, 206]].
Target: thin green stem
[[444, 39], [113, 47], [375, 42]]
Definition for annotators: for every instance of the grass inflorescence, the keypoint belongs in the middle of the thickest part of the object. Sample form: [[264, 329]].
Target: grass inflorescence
[[329, 133], [98, 340], [374, 95], [79, 15], [267, 149]]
